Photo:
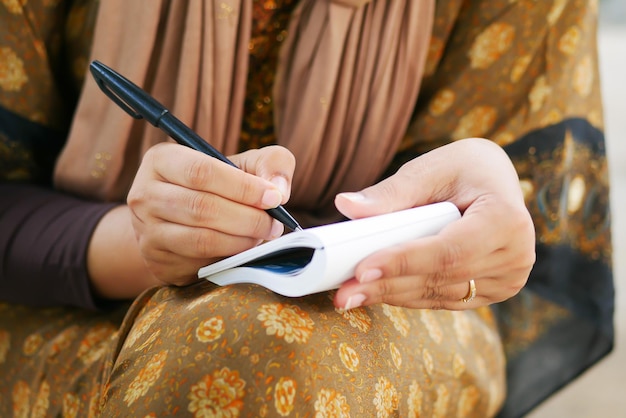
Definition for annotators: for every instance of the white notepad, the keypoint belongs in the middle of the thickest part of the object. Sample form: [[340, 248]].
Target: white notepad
[[322, 258]]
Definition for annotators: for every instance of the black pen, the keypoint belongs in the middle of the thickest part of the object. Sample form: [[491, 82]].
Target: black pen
[[140, 105]]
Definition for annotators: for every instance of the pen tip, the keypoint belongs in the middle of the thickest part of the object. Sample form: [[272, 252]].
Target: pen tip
[[298, 228]]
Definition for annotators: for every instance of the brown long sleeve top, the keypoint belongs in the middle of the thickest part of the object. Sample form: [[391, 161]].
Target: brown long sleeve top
[[44, 237]]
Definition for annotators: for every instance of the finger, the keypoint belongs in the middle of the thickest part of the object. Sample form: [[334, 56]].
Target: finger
[[274, 163], [431, 179], [414, 292], [473, 246], [408, 291], [172, 203], [456, 172], [191, 169], [171, 268], [192, 242]]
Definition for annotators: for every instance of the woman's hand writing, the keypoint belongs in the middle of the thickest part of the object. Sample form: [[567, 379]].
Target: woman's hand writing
[[188, 209]]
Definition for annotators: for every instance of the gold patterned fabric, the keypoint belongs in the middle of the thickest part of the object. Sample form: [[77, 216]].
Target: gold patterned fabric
[[245, 351], [523, 73]]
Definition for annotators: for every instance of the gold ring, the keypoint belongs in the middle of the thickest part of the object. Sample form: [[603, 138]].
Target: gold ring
[[471, 294]]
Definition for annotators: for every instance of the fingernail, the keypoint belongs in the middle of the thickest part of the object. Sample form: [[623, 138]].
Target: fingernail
[[370, 275], [271, 198], [354, 301], [277, 229], [354, 196], [281, 183]]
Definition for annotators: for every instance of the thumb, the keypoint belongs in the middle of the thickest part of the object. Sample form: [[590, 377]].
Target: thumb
[[387, 196], [423, 180]]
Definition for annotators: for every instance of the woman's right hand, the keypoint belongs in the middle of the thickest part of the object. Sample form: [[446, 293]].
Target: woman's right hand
[[189, 210]]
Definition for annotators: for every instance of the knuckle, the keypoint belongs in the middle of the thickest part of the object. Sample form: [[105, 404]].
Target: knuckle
[[384, 288], [198, 173], [451, 256], [203, 241], [202, 208], [400, 265], [436, 279], [431, 293], [437, 305], [136, 196]]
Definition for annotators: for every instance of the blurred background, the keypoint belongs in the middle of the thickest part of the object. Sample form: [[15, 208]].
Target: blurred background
[[601, 392]]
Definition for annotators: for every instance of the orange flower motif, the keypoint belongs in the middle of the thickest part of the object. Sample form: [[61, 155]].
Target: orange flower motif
[[71, 404], [556, 11], [584, 77], [552, 117], [349, 357], [331, 404], [435, 51], [217, 395], [286, 321], [458, 365], [477, 122], [32, 344], [12, 73], [205, 299], [462, 327], [62, 341], [520, 67], [143, 324], [91, 347], [539, 93], [396, 356], [284, 395], [489, 46], [210, 329], [467, 401], [94, 405], [14, 6], [569, 42], [20, 396], [42, 402], [5, 344], [398, 318], [416, 398], [357, 317], [440, 409], [432, 325], [148, 341], [386, 398], [442, 101], [146, 378], [429, 363]]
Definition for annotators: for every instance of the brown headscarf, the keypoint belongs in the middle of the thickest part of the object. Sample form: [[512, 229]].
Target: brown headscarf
[[347, 82]]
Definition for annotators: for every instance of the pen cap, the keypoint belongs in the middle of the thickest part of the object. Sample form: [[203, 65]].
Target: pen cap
[[126, 94]]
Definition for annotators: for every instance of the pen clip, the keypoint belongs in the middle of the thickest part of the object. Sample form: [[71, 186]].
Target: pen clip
[[126, 94], [101, 75]]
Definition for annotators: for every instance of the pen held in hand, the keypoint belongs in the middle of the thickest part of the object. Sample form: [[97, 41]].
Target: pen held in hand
[[140, 105]]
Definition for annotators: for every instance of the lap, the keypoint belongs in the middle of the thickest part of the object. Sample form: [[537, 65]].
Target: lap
[[245, 351]]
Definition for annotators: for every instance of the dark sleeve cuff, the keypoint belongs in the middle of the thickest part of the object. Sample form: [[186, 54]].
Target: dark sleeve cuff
[[44, 236]]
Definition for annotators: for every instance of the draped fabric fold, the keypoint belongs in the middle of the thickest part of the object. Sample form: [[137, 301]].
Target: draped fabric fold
[[348, 79], [348, 92], [193, 67]]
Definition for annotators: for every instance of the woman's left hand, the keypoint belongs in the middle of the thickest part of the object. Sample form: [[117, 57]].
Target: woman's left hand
[[493, 243]]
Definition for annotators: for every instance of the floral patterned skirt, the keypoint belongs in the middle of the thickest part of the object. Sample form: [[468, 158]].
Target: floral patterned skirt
[[244, 351]]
